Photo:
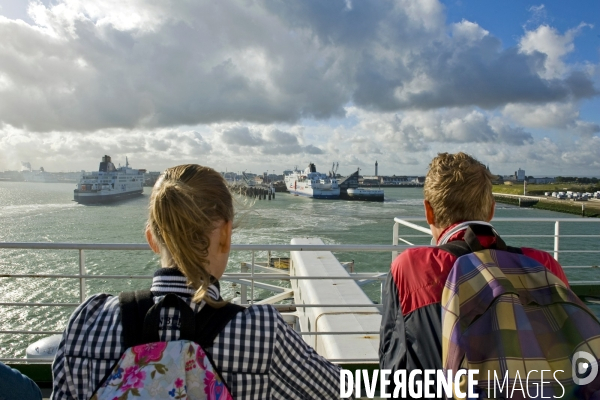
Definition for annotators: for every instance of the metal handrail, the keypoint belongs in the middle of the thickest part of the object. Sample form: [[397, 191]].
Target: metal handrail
[[234, 247], [253, 276], [409, 223]]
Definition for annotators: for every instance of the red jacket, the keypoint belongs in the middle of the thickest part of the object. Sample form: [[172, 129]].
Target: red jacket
[[411, 320]]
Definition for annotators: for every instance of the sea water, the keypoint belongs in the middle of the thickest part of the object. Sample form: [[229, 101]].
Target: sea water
[[38, 212]]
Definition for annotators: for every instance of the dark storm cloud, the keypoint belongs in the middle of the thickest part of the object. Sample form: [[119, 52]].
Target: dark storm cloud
[[263, 61]]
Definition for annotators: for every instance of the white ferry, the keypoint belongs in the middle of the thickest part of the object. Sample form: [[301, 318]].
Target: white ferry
[[109, 183], [311, 183]]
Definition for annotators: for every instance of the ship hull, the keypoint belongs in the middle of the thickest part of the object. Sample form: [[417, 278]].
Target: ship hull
[[362, 195], [91, 198], [317, 194]]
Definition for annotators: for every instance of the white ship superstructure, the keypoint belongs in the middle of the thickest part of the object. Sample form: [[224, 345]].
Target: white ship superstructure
[[311, 183], [109, 183]]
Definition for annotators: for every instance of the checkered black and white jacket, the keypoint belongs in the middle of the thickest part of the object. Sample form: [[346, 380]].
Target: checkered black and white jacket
[[257, 353]]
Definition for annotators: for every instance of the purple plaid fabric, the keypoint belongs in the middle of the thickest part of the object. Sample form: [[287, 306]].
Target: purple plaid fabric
[[509, 317]]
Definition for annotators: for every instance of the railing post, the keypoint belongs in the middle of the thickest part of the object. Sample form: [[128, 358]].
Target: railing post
[[243, 287], [395, 240], [252, 278], [556, 239], [81, 273]]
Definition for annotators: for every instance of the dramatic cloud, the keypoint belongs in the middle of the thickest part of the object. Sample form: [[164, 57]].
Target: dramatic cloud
[[69, 151], [277, 82], [134, 64], [416, 131], [548, 41], [561, 116]]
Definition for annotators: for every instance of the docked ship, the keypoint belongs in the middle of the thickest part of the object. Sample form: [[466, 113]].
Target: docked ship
[[310, 183], [109, 183]]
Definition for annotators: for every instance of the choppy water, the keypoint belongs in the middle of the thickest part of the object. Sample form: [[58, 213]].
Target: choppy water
[[36, 212]]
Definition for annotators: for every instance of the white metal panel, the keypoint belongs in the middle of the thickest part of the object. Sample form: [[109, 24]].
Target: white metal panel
[[357, 346]]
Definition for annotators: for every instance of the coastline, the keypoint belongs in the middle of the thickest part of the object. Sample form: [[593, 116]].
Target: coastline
[[591, 208]]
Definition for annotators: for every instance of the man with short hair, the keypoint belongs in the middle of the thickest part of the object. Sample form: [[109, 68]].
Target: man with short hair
[[458, 193]]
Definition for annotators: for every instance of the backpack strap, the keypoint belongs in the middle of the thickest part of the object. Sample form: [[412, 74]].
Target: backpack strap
[[134, 306], [202, 327], [213, 321], [152, 319]]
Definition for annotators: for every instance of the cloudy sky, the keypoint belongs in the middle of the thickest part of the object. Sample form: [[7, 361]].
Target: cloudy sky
[[263, 85]]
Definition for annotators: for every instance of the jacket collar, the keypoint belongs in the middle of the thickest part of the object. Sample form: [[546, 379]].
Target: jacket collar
[[457, 231], [171, 280]]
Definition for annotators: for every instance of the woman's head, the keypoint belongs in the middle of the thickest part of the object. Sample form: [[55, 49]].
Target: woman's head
[[189, 224]]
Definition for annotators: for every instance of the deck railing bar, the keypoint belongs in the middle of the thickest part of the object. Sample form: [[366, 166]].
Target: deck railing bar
[[8, 304], [75, 276], [274, 305], [234, 247], [252, 278], [512, 219], [375, 276], [556, 251], [32, 332], [552, 236], [300, 333], [584, 282], [556, 239], [81, 273], [49, 360], [516, 236], [572, 251]]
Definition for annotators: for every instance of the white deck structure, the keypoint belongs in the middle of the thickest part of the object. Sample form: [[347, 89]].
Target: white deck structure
[[336, 347]]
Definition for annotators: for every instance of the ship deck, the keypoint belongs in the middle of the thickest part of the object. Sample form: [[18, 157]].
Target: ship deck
[[319, 296]]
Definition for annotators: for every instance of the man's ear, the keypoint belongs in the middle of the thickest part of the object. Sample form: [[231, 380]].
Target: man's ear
[[151, 241], [493, 209], [429, 215], [225, 237]]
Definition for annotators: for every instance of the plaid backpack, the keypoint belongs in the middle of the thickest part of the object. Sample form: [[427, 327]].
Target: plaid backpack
[[151, 369], [509, 317]]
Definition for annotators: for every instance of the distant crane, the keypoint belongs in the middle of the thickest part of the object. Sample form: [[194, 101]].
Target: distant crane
[[334, 169]]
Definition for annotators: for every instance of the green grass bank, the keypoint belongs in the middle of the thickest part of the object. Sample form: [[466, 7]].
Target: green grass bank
[[592, 210]]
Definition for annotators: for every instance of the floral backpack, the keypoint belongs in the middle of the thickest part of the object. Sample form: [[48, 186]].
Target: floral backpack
[[180, 369]]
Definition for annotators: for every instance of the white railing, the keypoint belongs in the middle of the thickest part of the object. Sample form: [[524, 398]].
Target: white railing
[[410, 223], [247, 279]]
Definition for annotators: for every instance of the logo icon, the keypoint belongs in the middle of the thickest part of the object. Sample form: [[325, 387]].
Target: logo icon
[[583, 363]]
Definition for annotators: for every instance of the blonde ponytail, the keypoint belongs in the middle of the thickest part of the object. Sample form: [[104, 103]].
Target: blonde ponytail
[[186, 203]]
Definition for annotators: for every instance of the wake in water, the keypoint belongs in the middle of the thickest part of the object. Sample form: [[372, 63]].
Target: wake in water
[[11, 211]]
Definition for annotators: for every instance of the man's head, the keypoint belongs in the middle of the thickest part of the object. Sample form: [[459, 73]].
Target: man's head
[[457, 188]]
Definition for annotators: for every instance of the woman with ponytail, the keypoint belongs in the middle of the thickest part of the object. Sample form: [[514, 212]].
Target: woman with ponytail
[[256, 353]]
